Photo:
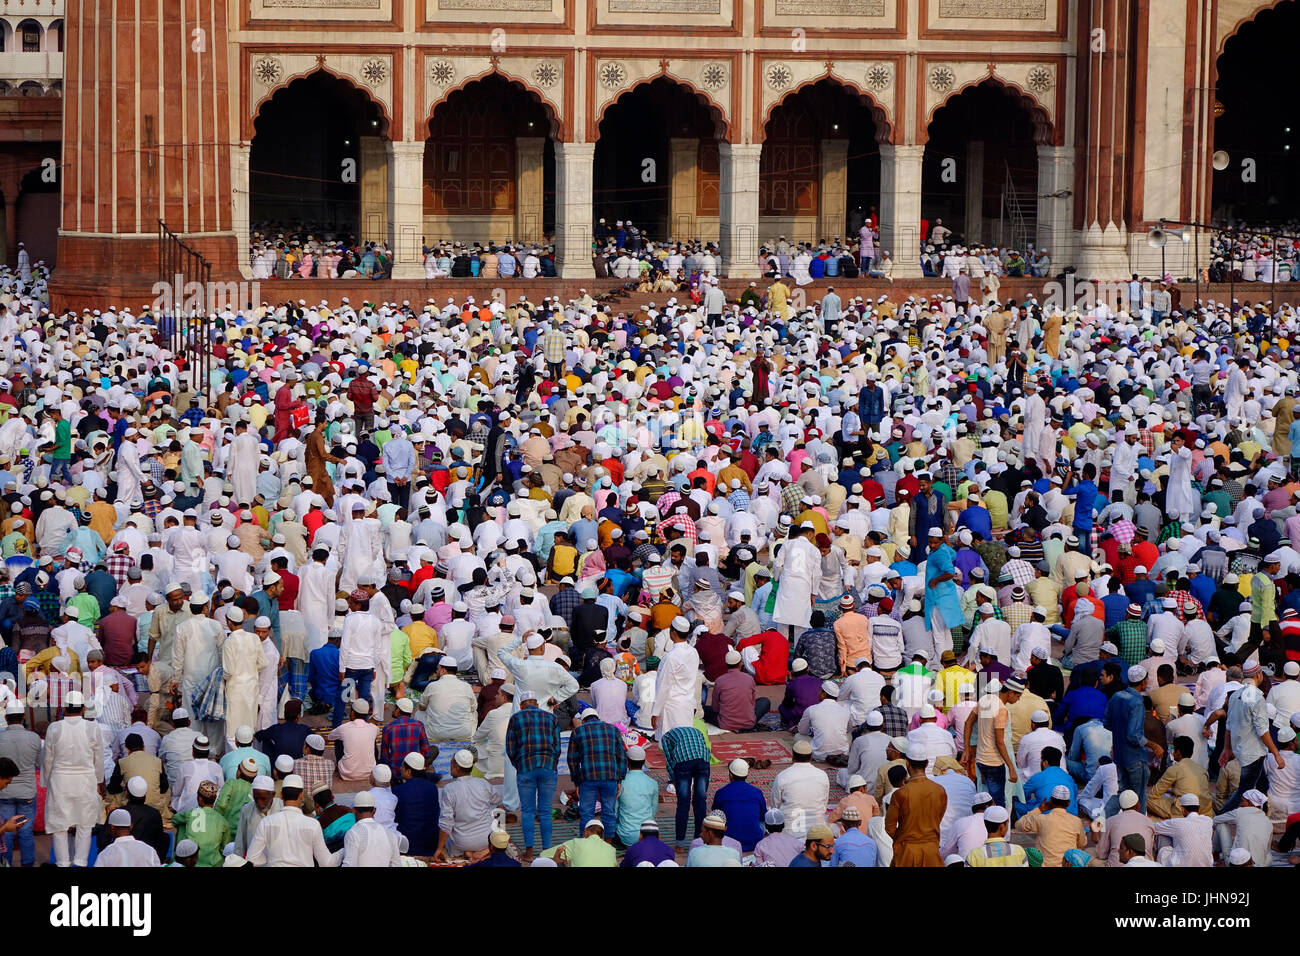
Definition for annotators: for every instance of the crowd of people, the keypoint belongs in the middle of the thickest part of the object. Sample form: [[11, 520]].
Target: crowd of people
[[422, 585]]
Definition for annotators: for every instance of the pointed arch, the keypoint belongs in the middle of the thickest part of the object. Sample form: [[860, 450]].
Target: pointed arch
[[722, 128], [884, 129], [555, 126], [321, 69], [1043, 132]]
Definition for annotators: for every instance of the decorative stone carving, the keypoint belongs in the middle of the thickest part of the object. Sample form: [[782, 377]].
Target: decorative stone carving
[[1040, 79], [779, 76], [612, 75], [994, 9], [879, 76], [442, 72], [374, 71], [942, 79], [268, 70], [546, 74], [714, 76]]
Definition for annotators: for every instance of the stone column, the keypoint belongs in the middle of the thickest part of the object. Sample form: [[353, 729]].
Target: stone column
[[239, 202], [900, 207], [406, 209], [738, 209], [1056, 203], [10, 253], [683, 160], [373, 180], [530, 154], [573, 184], [833, 191], [973, 221], [1103, 170]]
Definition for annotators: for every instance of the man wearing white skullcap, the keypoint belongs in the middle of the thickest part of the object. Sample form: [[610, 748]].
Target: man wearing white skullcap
[[263, 802], [243, 661], [677, 692], [125, 850]]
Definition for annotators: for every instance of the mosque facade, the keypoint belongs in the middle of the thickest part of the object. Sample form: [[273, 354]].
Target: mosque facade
[[1072, 125]]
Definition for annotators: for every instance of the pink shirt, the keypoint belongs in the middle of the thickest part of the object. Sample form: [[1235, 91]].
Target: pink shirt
[[358, 738]]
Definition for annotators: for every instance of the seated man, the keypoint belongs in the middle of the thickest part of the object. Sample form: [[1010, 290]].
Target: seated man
[[1041, 785]]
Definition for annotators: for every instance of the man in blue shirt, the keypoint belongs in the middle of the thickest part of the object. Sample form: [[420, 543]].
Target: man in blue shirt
[[399, 465], [1039, 787], [638, 799], [323, 678], [1125, 718], [853, 847], [744, 806], [818, 846], [1085, 499]]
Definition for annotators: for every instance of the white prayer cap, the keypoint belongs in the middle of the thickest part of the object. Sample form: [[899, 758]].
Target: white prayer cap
[[180, 713], [830, 688], [315, 741], [243, 735], [176, 585], [875, 719], [293, 782], [738, 768], [284, 763], [264, 783], [363, 801], [1190, 800], [1255, 797], [996, 815], [234, 615], [137, 786], [382, 774], [414, 760], [733, 657], [1238, 856], [262, 621], [448, 662], [534, 642], [270, 578], [464, 759]]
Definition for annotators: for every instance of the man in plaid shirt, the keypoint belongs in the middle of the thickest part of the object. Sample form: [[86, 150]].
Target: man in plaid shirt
[[597, 762], [314, 768], [895, 718], [193, 415], [120, 563], [533, 746], [403, 735], [1130, 635], [686, 755]]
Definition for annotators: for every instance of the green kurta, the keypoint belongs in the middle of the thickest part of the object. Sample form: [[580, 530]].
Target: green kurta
[[206, 827], [234, 794]]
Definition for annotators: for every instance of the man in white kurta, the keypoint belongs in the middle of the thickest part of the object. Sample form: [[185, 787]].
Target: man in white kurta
[[1180, 500], [1035, 417], [268, 680], [799, 569], [130, 476], [71, 769], [242, 661], [676, 694], [188, 548], [362, 546], [316, 590], [245, 457], [125, 850], [196, 653]]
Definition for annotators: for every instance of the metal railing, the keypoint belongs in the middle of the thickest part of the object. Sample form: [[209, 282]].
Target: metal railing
[[185, 322]]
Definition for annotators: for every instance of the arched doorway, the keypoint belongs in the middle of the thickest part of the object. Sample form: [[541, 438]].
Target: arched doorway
[[656, 163], [1259, 135], [819, 172], [318, 156], [28, 37], [980, 170], [489, 165], [37, 216]]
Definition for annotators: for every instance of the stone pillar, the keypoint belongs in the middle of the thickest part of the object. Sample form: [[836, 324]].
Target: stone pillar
[[239, 202], [900, 207], [406, 209], [973, 221], [1056, 203], [10, 254], [374, 189], [530, 152], [683, 160], [573, 184], [1102, 175], [833, 191], [738, 209]]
